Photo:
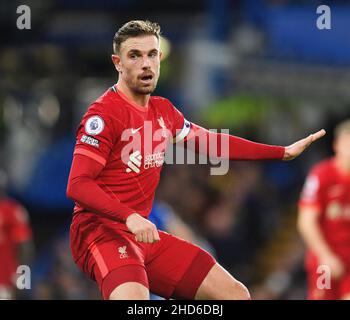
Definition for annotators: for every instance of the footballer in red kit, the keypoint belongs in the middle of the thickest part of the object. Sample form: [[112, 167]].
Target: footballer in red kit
[[118, 157], [324, 221], [14, 232]]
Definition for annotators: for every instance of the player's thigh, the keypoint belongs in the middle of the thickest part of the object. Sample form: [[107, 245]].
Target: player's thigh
[[176, 267], [220, 285], [116, 262]]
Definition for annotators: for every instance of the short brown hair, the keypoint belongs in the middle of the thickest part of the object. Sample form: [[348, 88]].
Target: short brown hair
[[132, 29], [342, 127]]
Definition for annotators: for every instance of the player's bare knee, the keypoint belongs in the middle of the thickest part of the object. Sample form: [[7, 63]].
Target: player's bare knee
[[236, 290], [130, 291], [240, 291]]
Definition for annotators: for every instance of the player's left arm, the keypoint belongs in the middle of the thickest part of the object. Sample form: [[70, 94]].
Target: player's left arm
[[231, 147], [237, 148]]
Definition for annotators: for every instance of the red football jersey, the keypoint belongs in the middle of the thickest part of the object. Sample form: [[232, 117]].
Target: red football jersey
[[130, 142], [14, 228], [329, 190]]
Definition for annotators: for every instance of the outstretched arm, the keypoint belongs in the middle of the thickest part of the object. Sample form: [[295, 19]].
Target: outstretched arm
[[235, 148]]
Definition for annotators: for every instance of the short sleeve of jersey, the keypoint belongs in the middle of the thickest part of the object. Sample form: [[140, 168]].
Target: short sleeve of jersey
[[96, 134], [19, 224], [312, 189], [181, 127]]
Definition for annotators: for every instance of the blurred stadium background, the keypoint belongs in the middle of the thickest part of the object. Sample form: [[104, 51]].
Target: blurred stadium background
[[258, 67]]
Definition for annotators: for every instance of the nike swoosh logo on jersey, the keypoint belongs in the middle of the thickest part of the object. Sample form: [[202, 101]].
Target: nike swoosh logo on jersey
[[135, 130]]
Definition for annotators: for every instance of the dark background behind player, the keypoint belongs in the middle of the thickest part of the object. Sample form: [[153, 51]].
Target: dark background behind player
[[259, 68]]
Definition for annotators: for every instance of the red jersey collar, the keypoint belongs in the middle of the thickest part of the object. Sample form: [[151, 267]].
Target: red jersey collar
[[129, 101]]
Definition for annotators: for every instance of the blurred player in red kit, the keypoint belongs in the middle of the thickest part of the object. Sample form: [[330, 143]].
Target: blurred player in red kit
[[113, 182], [324, 220], [16, 246]]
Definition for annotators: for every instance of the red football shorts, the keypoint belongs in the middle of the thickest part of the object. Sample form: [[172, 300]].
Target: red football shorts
[[170, 268], [317, 290]]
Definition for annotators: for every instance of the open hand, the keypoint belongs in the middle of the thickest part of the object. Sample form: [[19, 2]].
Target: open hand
[[298, 147]]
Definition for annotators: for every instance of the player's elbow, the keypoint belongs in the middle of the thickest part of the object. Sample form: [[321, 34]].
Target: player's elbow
[[72, 191], [77, 188], [69, 192]]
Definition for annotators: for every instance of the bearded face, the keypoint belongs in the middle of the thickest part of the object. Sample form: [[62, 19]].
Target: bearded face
[[139, 63]]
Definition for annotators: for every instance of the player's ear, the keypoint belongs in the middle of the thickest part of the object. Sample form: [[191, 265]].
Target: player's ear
[[116, 61], [160, 55]]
